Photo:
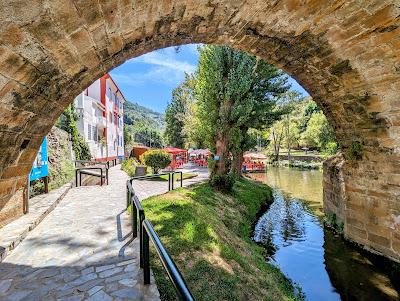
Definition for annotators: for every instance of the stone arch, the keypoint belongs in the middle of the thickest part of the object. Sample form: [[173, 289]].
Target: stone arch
[[345, 53]]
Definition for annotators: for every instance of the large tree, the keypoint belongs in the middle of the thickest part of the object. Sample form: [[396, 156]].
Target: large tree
[[182, 97], [235, 92]]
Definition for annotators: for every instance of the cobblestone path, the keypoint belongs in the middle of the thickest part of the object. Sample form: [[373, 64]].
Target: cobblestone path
[[77, 252]]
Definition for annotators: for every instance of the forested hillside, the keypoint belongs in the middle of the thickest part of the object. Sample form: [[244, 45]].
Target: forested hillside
[[142, 125], [134, 113]]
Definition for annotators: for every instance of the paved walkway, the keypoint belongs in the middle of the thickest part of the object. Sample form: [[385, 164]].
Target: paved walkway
[[146, 189], [77, 252]]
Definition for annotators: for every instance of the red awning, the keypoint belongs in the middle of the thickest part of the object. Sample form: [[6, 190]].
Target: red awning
[[174, 150]]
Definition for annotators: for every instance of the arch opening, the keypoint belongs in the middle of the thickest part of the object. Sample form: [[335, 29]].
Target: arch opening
[[348, 64]]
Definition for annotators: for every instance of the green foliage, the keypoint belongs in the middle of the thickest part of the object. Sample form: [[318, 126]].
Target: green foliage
[[207, 234], [318, 132], [129, 166], [235, 92], [332, 221], [331, 148], [145, 134], [355, 151], [142, 125], [67, 122], [223, 183], [182, 97], [156, 159], [134, 113]]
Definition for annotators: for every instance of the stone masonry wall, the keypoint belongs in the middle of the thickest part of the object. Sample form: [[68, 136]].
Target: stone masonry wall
[[346, 54]]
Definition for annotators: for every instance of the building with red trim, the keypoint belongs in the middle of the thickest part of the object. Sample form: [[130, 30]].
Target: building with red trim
[[100, 118]]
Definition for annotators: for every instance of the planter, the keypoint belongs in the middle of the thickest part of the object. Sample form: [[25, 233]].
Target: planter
[[140, 171]]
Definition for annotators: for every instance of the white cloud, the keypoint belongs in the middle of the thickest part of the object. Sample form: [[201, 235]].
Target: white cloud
[[163, 66], [165, 58]]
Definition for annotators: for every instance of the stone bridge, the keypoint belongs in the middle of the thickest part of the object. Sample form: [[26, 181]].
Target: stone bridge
[[346, 54]]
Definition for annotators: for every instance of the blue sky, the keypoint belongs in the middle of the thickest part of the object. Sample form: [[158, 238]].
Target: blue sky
[[149, 79]]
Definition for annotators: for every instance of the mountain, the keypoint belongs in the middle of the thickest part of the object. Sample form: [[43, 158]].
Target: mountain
[[134, 113]]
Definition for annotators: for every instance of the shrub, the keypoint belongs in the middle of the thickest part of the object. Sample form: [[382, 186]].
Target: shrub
[[129, 166], [157, 159], [223, 182], [331, 148]]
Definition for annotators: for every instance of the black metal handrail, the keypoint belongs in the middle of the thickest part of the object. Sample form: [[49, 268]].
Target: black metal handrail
[[84, 170], [173, 273], [147, 233]]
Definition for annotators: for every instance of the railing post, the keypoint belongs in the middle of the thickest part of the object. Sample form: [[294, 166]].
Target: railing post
[[101, 176], [146, 256], [76, 177], [173, 181], [181, 179], [141, 219], [80, 178], [107, 175], [169, 181], [134, 218]]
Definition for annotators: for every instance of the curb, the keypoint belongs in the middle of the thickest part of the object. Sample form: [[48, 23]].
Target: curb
[[7, 245]]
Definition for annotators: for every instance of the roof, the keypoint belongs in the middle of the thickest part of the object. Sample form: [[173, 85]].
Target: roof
[[116, 86], [174, 150], [200, 152], [255, 156]]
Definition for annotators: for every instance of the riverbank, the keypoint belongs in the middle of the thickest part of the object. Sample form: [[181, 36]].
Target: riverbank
[[208, 234]]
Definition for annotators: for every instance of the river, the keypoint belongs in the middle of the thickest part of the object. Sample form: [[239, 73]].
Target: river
[[321, 264]]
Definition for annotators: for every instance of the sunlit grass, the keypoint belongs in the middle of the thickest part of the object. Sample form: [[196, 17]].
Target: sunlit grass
[[208, 234]]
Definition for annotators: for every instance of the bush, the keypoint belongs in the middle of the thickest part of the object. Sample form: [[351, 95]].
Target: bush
[[223, 182], [129, 166], [156, 159], [331, 148]]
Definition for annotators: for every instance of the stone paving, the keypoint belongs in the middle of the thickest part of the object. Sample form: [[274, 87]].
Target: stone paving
[[79, 252], [39, 207]]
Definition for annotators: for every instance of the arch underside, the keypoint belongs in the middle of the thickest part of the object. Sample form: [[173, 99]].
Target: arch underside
[[344, 53]]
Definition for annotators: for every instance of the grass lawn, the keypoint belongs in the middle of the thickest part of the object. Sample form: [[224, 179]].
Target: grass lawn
[[207, 233], [177, 177]]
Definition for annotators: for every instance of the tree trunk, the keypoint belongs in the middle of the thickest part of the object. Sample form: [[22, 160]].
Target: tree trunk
[[223, 153], [237, 162]]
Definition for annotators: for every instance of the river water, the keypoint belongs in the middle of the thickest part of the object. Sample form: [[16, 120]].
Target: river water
[[320, 263]]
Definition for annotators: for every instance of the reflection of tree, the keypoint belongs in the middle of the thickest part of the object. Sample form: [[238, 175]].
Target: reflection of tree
[[292, 220], [282, 223]]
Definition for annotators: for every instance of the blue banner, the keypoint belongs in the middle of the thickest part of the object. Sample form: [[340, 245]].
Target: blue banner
[[40, 166]]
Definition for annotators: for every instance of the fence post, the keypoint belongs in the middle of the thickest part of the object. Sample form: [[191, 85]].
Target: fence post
[[107, 175], [173, 181], [128, 201], [101, 176], [146, 256], [80, 178], [76, 178], [141, 219], [134, 218], [181, 179], [169, 181]]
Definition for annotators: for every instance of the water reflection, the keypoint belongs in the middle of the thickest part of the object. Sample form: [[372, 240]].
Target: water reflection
[[325, 266]]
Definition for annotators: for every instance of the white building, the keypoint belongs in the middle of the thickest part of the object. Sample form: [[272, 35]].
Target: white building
[[100, 111]]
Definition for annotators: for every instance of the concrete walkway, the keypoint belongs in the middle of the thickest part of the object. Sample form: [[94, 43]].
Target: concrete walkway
[[146, 189], [77, 252]]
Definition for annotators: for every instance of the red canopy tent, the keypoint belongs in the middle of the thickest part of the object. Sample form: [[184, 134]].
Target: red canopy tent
[[179, 156]]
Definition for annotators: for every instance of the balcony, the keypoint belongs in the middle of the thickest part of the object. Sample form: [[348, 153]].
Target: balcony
[[101, 122]]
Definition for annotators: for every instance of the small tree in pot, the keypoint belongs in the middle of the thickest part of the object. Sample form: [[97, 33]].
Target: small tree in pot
[[156, 159]]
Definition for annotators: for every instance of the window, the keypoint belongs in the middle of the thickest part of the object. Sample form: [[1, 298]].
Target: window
[[95, 133], [89, 135]]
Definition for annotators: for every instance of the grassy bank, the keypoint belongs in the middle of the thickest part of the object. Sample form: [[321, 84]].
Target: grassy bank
[[208, 235]]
